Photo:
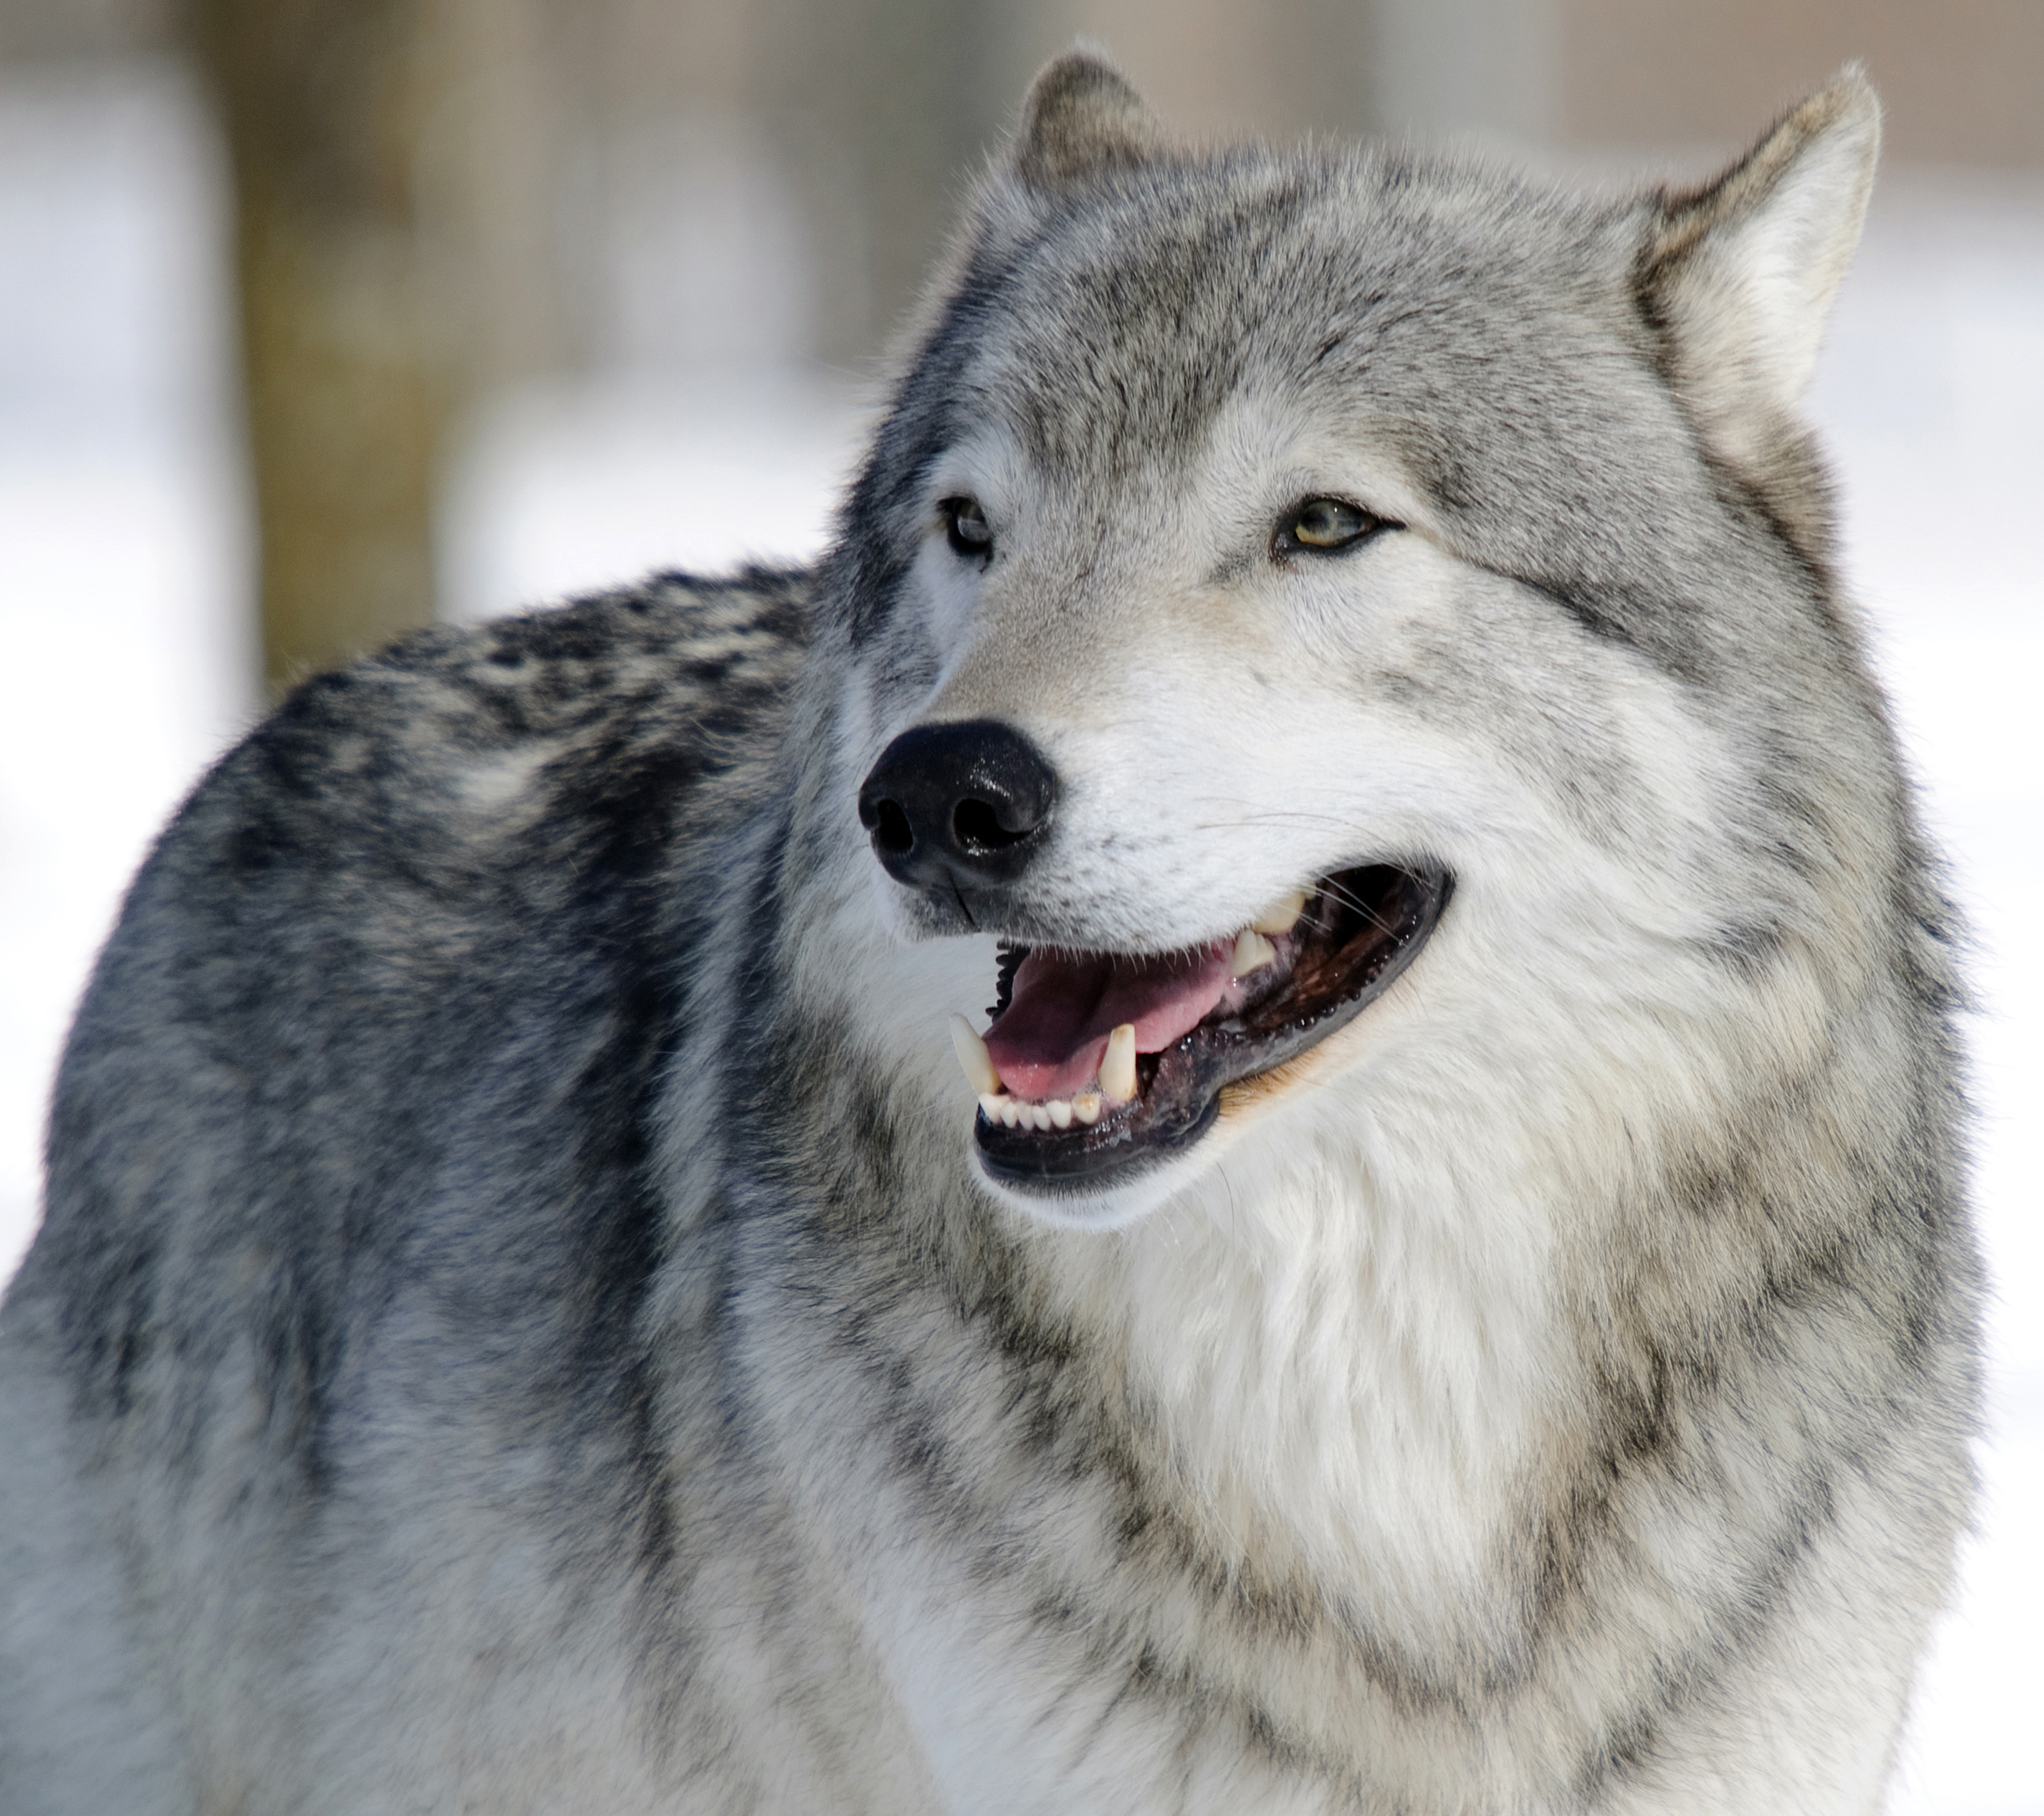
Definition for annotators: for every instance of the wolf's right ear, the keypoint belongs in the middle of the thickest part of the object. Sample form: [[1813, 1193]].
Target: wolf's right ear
[[1741, 273], [1082, 119]]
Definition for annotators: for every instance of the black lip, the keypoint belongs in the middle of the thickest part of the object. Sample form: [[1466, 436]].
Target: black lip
[[1180, 1087]]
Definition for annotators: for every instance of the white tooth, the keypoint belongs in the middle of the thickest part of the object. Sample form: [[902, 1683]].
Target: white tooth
[[979, 1072], [989, 1105], [1252, 953], [1277, 918], [1043, 1116], [1061, 1113], [1085, 1106], [1011, 1111], [1117, 1069]]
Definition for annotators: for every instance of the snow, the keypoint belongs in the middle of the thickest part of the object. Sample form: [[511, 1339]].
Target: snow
[[124, 593], [573, 484]]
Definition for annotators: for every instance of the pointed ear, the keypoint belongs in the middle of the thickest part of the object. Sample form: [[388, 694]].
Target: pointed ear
[[1742, 272], [1082, 119]]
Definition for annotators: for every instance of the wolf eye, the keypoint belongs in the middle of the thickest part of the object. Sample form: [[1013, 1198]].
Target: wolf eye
[[965, 528], [1321, 526]]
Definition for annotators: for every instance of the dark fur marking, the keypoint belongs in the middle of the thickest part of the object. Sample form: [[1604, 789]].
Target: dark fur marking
[[106, 1323], [1597, 619], [1749, 948]]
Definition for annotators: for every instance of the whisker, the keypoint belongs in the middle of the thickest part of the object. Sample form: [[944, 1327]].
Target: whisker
[[1271, 816], [1351, 899]]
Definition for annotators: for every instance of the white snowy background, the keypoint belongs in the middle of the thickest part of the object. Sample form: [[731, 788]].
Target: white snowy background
[[125, 650]]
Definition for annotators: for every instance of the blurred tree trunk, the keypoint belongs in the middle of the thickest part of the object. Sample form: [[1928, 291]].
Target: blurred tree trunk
[[345, 373]]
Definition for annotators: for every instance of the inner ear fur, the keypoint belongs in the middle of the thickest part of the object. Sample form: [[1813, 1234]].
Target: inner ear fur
[[1739, 274], [1081, 119]]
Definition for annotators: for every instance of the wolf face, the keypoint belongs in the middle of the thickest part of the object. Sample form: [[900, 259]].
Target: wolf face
[[1308, 617]]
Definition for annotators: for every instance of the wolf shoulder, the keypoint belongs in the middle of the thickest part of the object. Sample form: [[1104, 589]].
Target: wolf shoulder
[[412, 863]]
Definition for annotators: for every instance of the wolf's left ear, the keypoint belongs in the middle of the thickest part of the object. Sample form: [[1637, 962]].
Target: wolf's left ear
[[1082, 119], [1741, 273]]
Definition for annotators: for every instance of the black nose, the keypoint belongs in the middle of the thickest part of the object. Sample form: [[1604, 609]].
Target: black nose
[[960, 805]]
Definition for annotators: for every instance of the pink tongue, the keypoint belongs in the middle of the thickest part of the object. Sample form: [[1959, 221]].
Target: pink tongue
[[1049, 1040]]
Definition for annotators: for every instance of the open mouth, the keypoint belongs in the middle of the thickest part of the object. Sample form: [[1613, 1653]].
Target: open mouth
[[1098, 1064]]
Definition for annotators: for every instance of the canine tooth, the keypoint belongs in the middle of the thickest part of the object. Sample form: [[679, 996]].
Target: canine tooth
[[989, 1105], [1117, 1069], [979, 1072], [1011, 1111], [1252, 953], [1277, 918], [1085, 1106], [1061, 1113]]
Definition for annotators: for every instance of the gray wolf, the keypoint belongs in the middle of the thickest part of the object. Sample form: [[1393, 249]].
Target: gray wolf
[[1444, 1284]]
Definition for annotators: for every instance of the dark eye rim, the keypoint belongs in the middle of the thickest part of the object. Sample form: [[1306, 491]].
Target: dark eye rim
[[978, 548], [1285, 542]]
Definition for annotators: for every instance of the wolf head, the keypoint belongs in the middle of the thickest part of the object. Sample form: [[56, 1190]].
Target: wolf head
[[1358, 628]]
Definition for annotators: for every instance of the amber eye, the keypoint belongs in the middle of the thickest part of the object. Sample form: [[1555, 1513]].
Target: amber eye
[[966, 528], [1321, 527]]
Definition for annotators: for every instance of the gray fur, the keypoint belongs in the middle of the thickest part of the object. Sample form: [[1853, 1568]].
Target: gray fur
[[516, 1326]]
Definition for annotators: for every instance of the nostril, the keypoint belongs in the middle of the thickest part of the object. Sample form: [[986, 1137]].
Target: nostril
[[889, 824], [958, 803], [976, 826]]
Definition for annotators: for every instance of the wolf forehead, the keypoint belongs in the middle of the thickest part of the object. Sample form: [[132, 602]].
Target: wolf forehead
[[1109, 332], [1513, 351], [1485, 334]]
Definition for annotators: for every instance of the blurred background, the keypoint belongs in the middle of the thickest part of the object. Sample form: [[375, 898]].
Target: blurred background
[[322, 318]]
